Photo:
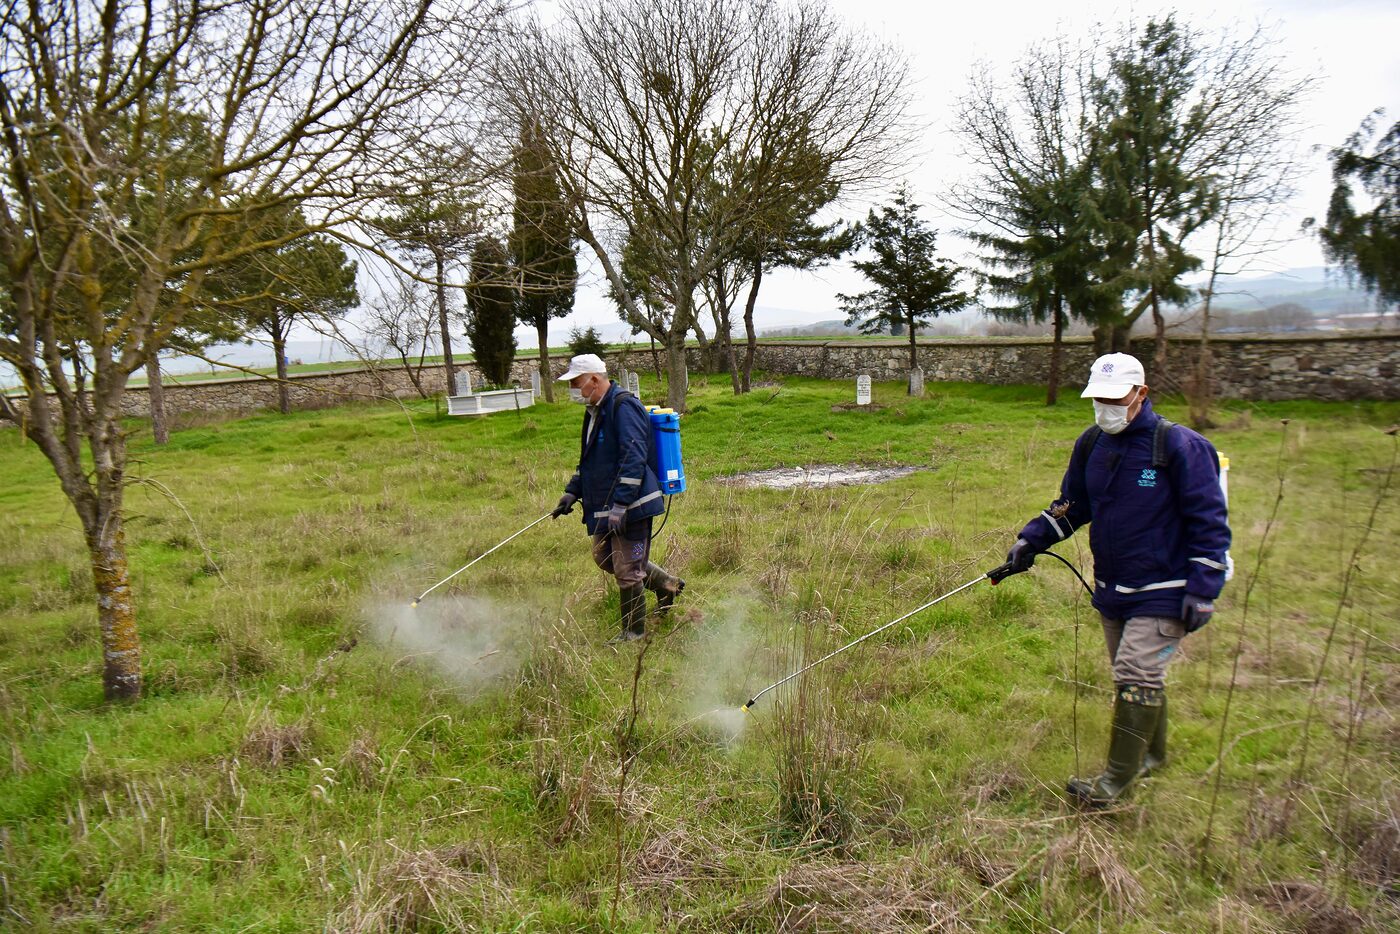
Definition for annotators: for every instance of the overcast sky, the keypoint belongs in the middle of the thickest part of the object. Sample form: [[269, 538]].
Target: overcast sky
[[1350, 45]]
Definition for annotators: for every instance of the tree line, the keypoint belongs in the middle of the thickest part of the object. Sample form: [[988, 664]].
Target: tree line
[[180, 174]]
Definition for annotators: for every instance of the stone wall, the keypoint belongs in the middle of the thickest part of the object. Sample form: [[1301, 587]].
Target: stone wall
[[1351, 367]]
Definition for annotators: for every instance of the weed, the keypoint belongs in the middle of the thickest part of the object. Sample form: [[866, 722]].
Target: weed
[[273, 746]]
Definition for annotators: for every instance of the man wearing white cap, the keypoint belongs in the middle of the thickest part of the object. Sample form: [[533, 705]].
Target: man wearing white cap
[[1150, 492], [620, 491]]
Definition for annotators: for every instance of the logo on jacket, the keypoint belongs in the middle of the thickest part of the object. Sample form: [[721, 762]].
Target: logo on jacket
[[1148, 478]]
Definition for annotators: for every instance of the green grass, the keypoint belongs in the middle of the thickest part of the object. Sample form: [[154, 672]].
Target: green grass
[[300, 764]]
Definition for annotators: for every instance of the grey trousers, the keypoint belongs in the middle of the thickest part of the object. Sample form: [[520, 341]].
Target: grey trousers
[[1140, 648], [624, 558]]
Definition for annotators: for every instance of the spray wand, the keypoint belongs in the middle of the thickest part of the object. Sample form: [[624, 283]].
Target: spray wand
[[996, 575], [479, 557]]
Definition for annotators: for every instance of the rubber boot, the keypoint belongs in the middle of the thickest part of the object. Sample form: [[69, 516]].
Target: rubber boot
[[1135, 715], [666, 587], [1156, 757], [634, 615]]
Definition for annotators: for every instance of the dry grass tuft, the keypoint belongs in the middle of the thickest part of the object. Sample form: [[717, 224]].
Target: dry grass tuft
[[1309, 908], [420, 890], [1269, 817], [871, 899], [273, 746], [674, 858], [564, 793], [1378, 854], [362, 764], [995, 783], [1085, 855]]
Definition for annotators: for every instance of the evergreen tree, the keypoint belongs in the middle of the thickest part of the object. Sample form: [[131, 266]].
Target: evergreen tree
[[1366, 244], [307, 279], [491, 299], [541, 246], [912, 285], [1154, 191]]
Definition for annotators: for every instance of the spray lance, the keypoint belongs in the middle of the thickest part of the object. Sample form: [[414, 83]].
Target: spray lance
[[995, 575], [501, 544]]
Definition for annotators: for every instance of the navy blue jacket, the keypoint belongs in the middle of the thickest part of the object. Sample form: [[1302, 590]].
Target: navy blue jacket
[[1156, 534], [614, 466]]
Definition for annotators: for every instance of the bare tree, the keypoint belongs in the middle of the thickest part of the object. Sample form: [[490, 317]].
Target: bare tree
[[399, 323], [642, 103], [302, 104]]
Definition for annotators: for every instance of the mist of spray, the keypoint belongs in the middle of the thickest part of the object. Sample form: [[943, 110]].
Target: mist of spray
[[470, 640], [721, 665]]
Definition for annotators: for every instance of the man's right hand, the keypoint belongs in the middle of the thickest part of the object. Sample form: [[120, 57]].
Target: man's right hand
[[566, 505], [1021, 557]]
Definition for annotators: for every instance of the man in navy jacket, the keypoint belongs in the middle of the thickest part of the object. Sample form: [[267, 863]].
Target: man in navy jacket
[[1150, 492], [619, 490]]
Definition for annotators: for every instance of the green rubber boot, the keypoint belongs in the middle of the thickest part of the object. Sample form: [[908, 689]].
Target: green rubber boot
[[1135, 715], [666, 587], [634, 615], [1156, 757]]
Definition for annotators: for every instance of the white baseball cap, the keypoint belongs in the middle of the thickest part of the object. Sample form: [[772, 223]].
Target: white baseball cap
[[585, 363], [1113, 375]]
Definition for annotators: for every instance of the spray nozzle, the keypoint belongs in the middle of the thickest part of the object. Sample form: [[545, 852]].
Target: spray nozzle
[[1000, 573], [413, 605], [752, 701]]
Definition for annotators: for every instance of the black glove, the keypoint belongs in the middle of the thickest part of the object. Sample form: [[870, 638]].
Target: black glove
[[1018, 560], [1196, 611], [616, 516], [566, 505], [1021, 557]]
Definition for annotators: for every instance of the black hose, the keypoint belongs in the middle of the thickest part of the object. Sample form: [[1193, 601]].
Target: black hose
[[663, 520], [1066, 563]]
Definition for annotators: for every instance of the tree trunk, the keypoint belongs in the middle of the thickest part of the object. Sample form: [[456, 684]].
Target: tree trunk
[[1057, 347], [655, 358], [750, 336], [676, 370], [440, 266], [1159, 349], [116, 612], [546, 380], [732, 361], [279, 351], [155, 394], [913, 349], [1201, 395], [706, 361]]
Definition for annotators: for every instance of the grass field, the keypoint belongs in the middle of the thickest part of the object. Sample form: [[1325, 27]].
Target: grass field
[[312, 755]]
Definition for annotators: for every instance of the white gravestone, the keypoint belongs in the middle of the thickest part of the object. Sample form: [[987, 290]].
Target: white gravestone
[[622, 377], [535, 383], [462, 383], [863, 389], [634, 384], [916, 382]]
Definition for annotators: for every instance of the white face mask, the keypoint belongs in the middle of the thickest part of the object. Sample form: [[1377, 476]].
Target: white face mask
[[1112, 418], [575, 395]]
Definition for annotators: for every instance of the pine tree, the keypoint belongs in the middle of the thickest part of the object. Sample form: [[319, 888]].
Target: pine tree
[[912, 285], [541, 246], [491, 302]]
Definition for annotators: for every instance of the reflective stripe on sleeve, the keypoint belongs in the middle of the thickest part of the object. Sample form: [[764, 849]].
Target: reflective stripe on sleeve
[[1051, 519], [630, 481], [1210, 563]]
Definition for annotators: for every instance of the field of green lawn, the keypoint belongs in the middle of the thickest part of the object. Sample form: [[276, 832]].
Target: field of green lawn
[[313, 755]]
